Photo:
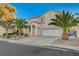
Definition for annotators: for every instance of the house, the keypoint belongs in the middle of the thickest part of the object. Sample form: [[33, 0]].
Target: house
[[2, 30], [39, 25]]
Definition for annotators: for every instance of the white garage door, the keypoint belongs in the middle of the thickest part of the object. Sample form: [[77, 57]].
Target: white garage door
[[50, 32]]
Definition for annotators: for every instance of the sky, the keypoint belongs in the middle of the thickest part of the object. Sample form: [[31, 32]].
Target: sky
[[29, 10]]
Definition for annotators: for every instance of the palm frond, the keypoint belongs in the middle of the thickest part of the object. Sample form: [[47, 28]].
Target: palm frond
[[63, 20]]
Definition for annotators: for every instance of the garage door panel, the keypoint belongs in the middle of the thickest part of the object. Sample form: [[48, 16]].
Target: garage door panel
[[50, 32]]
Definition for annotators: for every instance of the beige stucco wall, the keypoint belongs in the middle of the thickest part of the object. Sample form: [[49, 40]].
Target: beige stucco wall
[[2, 30], [44, 20]]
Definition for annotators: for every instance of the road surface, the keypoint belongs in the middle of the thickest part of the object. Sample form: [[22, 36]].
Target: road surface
[[13, 49]]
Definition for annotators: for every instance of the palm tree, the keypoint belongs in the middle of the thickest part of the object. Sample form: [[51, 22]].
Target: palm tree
[[19, 24], [64, 21]]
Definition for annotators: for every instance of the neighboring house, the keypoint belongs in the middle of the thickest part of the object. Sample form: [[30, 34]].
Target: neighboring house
[[39, 25], [2, 30], [77, 16]]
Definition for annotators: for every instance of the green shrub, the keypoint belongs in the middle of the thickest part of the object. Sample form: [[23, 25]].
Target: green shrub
[[22, 34], [13, 33], [26, 34], [4, 34]]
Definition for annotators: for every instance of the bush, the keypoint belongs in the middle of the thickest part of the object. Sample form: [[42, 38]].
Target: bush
[[13, 33], [26, 34], [4, 34], [22, 34]]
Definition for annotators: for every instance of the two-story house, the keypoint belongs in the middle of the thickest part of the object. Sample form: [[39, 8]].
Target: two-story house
[[39, 25]]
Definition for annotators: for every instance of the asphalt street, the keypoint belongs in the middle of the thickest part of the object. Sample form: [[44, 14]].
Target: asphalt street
[[13, 49]]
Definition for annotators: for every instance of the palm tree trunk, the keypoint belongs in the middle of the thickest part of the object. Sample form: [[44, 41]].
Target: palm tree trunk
[[65, 35]]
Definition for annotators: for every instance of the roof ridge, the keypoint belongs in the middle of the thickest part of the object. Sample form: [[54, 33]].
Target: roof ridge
[[54, 10]]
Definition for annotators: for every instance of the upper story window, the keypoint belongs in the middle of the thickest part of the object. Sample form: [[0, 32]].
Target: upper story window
[[42, 20]]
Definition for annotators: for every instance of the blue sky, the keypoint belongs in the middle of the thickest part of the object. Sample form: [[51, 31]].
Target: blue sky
[[28, 10]]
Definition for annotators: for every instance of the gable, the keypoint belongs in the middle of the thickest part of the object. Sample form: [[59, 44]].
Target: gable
[[49, 15]]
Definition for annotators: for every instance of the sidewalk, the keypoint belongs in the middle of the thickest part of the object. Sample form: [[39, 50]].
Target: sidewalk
[[47, 41], [34, 40], [70, 44]]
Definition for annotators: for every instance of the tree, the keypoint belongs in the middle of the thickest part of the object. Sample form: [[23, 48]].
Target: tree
[[7, 14], [19, 24], [64, 21]]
